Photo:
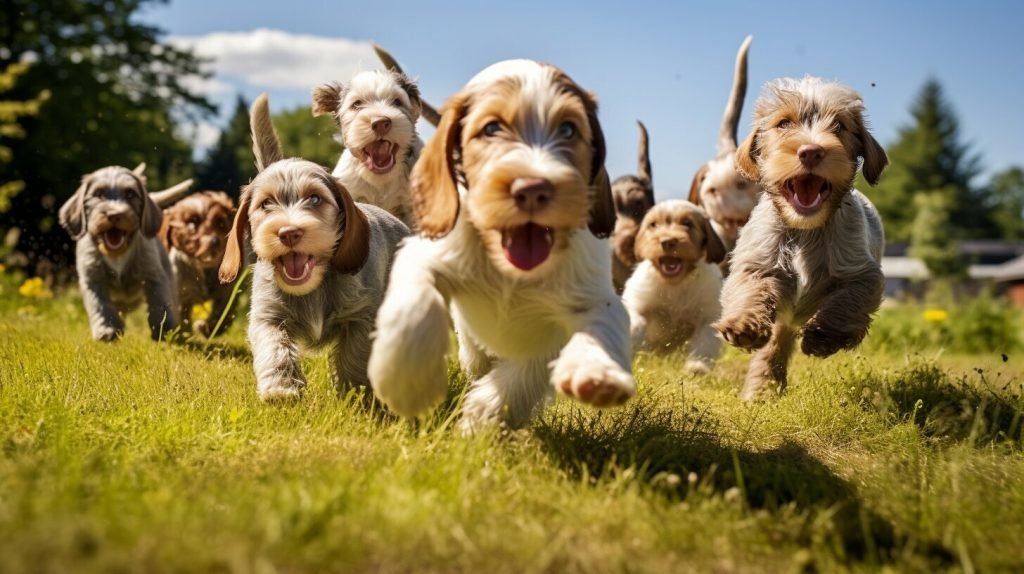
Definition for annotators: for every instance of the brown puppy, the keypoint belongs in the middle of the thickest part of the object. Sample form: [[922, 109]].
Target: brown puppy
[[633, 195]]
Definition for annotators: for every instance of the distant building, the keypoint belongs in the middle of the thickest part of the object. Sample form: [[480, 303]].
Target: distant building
[[989, 261], [1010, 280]]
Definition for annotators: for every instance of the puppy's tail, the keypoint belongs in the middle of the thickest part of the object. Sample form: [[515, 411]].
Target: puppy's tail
[[168, 197], [429, 112], [643, 155], [265, 144], [731, 119]]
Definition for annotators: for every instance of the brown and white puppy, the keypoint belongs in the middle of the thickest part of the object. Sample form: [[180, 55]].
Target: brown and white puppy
[[672, 296], [633, 195], [377, 113], [119, 260], [322, 263], [808, 262], [511, 198], [725, 194], [194, 233]]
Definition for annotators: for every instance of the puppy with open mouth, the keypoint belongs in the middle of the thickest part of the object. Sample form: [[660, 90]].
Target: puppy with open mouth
[[672, 296]]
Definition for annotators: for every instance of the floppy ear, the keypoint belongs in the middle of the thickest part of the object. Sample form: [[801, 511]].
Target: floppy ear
[[265, 144], [354, 247], [433, 184], [698, 179], [746, 158], [231, 265], [602, 206], [411, 89], [638, 239], [152, 215], [327, 99], [166, 228], [72, 213], [875, 159], [714, 249]]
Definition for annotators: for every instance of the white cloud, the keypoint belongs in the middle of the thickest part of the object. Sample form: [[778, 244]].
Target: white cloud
[[274, 59]]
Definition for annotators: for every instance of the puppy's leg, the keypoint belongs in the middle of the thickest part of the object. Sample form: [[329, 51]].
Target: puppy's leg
[[594, 367], [766, 374], [749, 306], [474, 361], [162, 304], [275, 360], [705, 346], [843, 319], [509, 393], [104, 320], [407, 363], [220, 307], [352, 355]]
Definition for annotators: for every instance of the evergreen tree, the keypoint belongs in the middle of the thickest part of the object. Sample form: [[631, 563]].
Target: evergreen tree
[[931, 236], [307, 137], [230, 163], [1006, 202]]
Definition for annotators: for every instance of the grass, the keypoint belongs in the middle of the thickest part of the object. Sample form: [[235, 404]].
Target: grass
[[138, 456]]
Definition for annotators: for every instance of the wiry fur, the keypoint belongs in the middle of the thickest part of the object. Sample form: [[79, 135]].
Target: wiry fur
[[353, 246], [115, 280], [522, 334], [814, 273], [669, 311], [633, 195]]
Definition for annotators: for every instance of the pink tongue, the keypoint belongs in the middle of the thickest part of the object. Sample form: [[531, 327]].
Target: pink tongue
[[380, 153], [527, 246], [114, 236], [295, 265], [807, 190]]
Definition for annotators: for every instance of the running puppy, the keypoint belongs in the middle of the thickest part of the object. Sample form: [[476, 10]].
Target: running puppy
[[633, 195]]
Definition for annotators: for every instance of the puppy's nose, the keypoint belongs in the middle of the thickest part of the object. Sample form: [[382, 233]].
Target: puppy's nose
[[670, 243], [380, 126], [115, 217], [532, 193], [810, 154], [215, 241], [290, 235]]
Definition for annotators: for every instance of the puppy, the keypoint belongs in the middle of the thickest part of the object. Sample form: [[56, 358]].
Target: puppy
[[512, 198], [725, 194], [807, 263], [377, 114], [633, 196], [194, 233], [672, 297], [322, 263], [119, 260]]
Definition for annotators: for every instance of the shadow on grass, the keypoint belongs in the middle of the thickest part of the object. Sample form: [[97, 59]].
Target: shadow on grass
[[215, 350], [658, 443], [948, 408]]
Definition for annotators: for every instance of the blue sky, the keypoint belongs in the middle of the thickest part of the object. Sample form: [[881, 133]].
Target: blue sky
[[669, 64]]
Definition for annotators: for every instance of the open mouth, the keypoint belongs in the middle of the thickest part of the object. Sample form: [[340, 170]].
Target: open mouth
[[527, 246], [380, 156], [670, 266], [114, 238], [296, 268], [806, 193]]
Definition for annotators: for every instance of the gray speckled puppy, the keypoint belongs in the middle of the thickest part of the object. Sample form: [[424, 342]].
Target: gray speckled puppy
[[119, 260], [321, 270]]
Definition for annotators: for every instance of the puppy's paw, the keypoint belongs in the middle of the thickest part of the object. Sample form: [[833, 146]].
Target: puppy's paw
[[591, 377], [821, 340], [758, 389], [744, 331], [281, 390], [698, 366], [107, 333]]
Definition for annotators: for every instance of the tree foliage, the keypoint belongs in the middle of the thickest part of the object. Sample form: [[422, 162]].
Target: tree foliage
[[1006, 202]]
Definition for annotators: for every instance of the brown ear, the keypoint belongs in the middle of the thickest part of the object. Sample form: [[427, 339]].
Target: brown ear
[[411, 90], [327, 99], [231, 265], [72, 213], [166, 228], [602, 206], [354, 246], [714, 249], [639, 238], [875, 159], [746, 158], [698, 179], [433, 184]]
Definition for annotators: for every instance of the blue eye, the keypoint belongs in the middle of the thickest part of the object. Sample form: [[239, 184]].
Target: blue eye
[[492, 128], [567, 130], [315, 200]]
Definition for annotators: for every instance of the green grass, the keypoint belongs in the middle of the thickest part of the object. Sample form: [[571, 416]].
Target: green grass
[[138, 456]]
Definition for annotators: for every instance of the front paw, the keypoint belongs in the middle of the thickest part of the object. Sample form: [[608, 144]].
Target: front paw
[[823, 340], [107, 333], [745, 331], [591, 377], [281, 389], [202, 327]]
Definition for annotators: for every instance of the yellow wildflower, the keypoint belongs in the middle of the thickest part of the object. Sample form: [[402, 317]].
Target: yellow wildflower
[[34, 288], [201, 311], [935, 315], [3, 268]]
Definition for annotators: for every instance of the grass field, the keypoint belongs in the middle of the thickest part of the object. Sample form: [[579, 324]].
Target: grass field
[[146, 457]]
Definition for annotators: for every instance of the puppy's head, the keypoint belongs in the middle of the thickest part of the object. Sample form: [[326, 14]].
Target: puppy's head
[[675, 236], [198, 226], [808, 136], [300, 219], [111, 206], [727, 196], [524, 142], [377, 114]]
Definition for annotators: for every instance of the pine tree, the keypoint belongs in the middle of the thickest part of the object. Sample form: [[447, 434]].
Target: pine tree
[[931, 237], [1006, 202], [307, 137], [230, 163]]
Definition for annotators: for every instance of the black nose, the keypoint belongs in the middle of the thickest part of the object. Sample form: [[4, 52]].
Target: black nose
[[380, 126], [667, 244], [290, 235], [810, 154], [215, 241], [532, 193]]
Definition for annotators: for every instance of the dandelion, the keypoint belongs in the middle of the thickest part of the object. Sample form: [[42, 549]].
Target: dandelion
[[34, 288], [935, 315], [3, 268], [202, 311]]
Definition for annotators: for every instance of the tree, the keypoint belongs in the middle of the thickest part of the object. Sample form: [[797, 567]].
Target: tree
[[1006, 202], [307, 137], [230, 163], [931, 236], [928, 157], [11, 112], [116, 92]]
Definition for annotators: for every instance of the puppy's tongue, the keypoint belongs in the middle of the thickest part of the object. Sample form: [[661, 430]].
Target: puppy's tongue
[[670, 266], [527, 246], [379, 156], [808, 191], [114, 238], [297, 267]]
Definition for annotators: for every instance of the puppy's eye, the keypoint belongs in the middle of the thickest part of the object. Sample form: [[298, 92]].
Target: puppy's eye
[[712, 190], [784, 124], [396, 102], [267, 203], [687, 224], [567, 130], [837, 126], [315, 200], [357, 104], [492, 128], [653, 225]]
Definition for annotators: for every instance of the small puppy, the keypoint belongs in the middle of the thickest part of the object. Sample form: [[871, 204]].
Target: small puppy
[[725, 194], [633, 195], [672, 297], [321, 266], [377, 114], [194, 233], [119, 260], [808, 262], [504, 195]]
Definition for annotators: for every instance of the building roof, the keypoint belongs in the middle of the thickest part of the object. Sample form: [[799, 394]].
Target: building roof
[[1012, 270], [904, 268]]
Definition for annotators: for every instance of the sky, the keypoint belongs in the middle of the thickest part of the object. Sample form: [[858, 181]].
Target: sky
[[667, 63]]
